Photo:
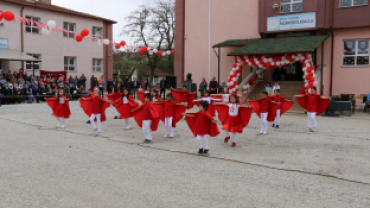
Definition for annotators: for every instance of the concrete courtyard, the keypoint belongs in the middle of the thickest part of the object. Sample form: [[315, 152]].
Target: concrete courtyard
[[42, 166]]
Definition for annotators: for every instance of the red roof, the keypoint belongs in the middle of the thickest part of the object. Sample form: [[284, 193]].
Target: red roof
[[54, 8]]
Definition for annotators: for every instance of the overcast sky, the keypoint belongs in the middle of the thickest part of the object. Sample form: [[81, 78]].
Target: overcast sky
[[111, 9]]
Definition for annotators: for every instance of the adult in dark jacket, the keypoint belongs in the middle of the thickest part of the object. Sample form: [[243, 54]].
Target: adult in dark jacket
[[110, 86], [83, 81], [130, 87], [213, 85], [136, 86], [92, 82], [119, 86], [162, 86], [36, 93], [203, 87]]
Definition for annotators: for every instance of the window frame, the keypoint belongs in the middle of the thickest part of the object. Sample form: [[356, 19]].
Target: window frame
[[352, 4], [291, 8], [356, 53], [31, 26], [94, 34], [70, 35], [32, 63], [95, 66], [68, 63]]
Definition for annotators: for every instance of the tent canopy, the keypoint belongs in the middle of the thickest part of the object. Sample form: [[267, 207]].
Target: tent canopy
[[15, 55]]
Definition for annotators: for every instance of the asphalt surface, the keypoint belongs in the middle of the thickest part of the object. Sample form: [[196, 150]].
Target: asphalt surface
[[42, 166]]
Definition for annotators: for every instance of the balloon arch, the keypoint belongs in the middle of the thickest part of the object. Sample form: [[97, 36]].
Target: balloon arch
[[264, 62]]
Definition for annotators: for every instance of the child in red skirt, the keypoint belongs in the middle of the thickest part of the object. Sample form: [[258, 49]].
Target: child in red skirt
[[124, 105], [211, 108], [60, 107], [234, 117], [203, 126], [113, 97]]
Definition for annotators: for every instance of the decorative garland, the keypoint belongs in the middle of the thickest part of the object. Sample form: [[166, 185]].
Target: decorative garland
[[51, 25], [264, 62]]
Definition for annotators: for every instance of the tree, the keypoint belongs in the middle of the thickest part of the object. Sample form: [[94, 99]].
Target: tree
[[153, 27]]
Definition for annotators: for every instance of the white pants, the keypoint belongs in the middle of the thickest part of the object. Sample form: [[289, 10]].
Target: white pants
[[264, 126], [98, 120], [277, 119], [200, 142], [233, 135], [127, 120], [168, 125], [116, 113], [311, 120], [61, 121], [147, 129]]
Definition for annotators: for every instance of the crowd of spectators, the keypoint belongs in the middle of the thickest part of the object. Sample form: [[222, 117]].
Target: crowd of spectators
[[19, 87]]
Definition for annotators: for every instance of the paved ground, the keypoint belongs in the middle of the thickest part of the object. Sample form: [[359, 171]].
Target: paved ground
[[41, 166]]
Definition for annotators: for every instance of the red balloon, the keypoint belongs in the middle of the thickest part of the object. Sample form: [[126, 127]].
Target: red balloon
[[234, 66], [312, 79], [310, 73], [141, 51], [268, 65], [145, 48], [118, 46], [79, 38], [172, 52], [123, 43], [8, 15], [85, 32], [307, 77]]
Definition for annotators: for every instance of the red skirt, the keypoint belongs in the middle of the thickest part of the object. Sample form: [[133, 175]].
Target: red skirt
[[61, 111], [233, 124], [125, 111]]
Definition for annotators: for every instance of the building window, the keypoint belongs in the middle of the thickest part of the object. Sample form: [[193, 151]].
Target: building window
[[97, 32], [30, 65], [291, 6], [30, 27], [97, 65], [356, 53], [69, 27], [349, 3], [69, 63], [155, 80]]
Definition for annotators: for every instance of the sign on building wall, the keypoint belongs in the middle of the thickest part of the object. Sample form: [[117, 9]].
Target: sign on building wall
[[4, 43], [292, 22]]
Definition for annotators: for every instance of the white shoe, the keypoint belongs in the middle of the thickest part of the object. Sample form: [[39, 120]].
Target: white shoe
[[171, 135], [261, 132], [58, 124], [265, 132], [63, 126], [309, 130], [165, 136], [128, 127]]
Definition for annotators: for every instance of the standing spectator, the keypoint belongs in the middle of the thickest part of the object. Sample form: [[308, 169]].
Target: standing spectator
[[110, 86], [213, 85], [130, 86], [92, 82], [21, 74], [203, 87], [162, 85], [146, 84], [83, 80], [276, 87], [36, 93], [119, 86], [136, 86], [125, 81], [77, 81], [73, 92], [268, 89], [101, 85], [71, 80], [29, 93]]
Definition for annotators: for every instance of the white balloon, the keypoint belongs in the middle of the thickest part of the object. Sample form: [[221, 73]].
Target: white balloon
[[106, 41], [234, 79], [155, 50], [51, 24], [245, 87], [272, 63], [168, 52], [99, 42], [296, 58], [315, 83], [270, 59], [237, 86], [265, 60], [301, 58], [164, 54], [304, 69], [45, 31], [238, 74], [306, 84], [231, 83], [151, 53]]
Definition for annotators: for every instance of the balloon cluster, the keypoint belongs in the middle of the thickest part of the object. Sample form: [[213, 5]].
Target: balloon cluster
[[264, 62], [234, 76], [246, 88]]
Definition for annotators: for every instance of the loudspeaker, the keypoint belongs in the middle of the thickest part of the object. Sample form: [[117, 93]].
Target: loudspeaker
[[171, 81]]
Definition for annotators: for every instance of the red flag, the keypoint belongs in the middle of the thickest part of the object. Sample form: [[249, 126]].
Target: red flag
[[28, 21], [21, 19]]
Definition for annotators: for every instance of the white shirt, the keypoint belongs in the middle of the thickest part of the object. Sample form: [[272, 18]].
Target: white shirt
[[146, 91], [155, 99], [208, 99], [276, 87], [124, 100], [226, 97], [233, 109], [61, 100]]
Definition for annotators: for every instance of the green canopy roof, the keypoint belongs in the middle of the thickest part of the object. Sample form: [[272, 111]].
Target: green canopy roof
[[277, 45], [234, 42]]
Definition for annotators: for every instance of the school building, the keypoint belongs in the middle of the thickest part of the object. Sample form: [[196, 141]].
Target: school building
[[20, 44], [210, 35]]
